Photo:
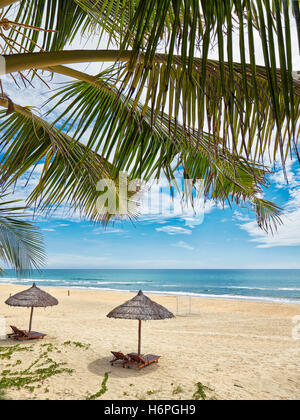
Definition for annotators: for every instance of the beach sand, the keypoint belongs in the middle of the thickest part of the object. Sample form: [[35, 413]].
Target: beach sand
[[238, 349]]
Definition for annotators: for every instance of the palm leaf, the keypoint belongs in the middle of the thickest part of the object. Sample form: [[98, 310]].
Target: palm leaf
[[227, 109], [250, 100], [127, 138], [21, 244], [70, 171], [199, 110], [51, 24]]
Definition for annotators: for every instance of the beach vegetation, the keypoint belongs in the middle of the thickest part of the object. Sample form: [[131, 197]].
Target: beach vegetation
[[77, 344], [200, 393], [2, 396], [102, 390], [6, 352], [20, 379], [177, 390], [33, 376], [153, 392], [140, 396]]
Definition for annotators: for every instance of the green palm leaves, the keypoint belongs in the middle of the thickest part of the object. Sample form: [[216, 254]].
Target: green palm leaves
[[21, 244], [48, 24], [207, 86], [70, 171], [237, 100]]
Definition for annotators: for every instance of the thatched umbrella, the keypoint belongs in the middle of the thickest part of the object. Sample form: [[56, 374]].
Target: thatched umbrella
[[141, 308], [32, 298]]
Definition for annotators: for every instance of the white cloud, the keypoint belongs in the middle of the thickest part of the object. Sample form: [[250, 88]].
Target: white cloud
[[174, 230], [293, 176], [101, 230], [184, 245], [287, 234], [159, 206], [49, 230], [240, 217], [75, 261], [108, 261]]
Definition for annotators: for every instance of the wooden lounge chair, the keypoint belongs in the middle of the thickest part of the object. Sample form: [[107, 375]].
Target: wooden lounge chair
[[143, 360], [25, 335], [119, 356]]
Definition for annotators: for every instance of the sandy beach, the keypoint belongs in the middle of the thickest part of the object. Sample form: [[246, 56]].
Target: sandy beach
[[237, 349]]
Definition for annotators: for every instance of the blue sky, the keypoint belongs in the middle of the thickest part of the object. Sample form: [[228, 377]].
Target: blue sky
[[227, 238]]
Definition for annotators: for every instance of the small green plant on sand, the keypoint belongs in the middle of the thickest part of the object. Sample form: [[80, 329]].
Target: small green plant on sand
[[155, 391], [102, 390], [30, 377], [200, 394], [140, 396], [22, 379], [7, 351], [77, 344], [177, 390], [2, 396]]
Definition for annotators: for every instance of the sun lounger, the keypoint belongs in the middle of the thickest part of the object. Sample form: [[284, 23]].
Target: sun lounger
[[119, 356], [25, 335], [145, 360]]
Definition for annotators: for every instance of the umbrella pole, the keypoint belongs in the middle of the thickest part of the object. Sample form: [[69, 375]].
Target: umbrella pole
[[30, 321], [140, 329]]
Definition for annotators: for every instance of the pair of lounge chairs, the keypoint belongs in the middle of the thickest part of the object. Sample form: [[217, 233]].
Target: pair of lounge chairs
[[127, 359], [22, 335]]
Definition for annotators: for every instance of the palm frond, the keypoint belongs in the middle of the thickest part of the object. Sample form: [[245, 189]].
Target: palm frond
[[243, 114], [70, 171], [45, 24], [21, 243], [169, 102], [124, 135], [248, 99]]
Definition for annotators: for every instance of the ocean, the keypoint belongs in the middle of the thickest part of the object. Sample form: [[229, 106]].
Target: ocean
[[260, 285]]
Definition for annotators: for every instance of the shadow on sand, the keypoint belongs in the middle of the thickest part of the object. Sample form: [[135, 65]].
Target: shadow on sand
[[100, 366]]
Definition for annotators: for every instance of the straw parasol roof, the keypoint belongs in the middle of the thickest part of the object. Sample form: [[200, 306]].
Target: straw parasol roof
[[141, 308], [33, 297]]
